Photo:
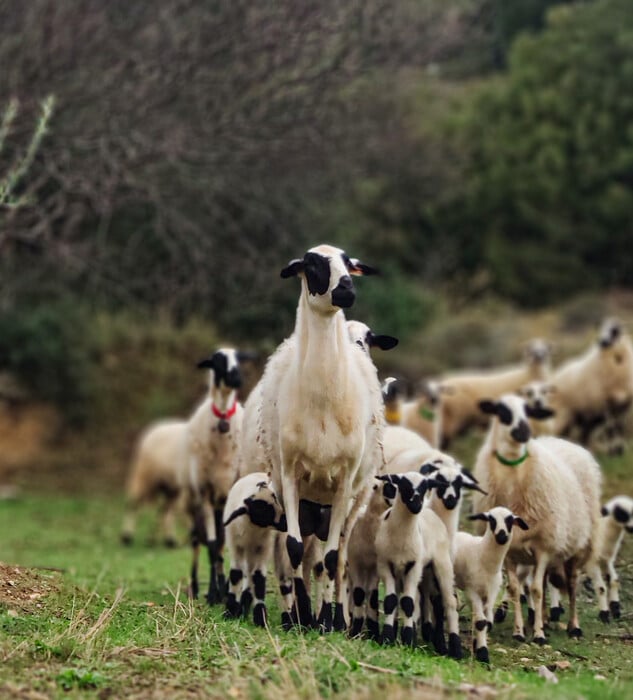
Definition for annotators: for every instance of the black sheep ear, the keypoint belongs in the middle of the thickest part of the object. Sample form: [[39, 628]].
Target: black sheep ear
[[391, 478], [604, 511], [292, 269], [428, 468], [479, 516], [473, 486], [242, 510], [384, 342], [521, 523], [539, 413], [356, 267], [207, 363], [488, 407]]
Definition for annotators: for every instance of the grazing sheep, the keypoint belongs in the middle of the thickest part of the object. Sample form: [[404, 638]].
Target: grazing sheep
[[213, 433], [617, 518], [478, 563], [252, 516], [158, 470], [554, 486], [319, 418], [409, 538], [464, 391], [595, 387]]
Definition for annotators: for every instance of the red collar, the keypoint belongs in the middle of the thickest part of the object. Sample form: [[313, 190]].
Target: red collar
[[224, 415]]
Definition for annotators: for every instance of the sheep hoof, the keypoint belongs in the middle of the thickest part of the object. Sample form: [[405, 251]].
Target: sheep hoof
[[500, 614], [555, 613], [574, 632], [259, 615], [541, 641], [357, 627], [616, 611], [455, 646], [439, 643], [482, 655], [304, 610], [518, 637], [531, 616], [407, 637], [427, 631], [373, 632], [233, 608], [126, 538], [324, 621], [170, 542], [388, 634], [604, 616], [339, 618], [286, 621]]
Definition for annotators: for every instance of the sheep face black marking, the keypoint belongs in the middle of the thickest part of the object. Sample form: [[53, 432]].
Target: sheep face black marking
[[450, 478], [536, 396], [411, 486], [610, 331], [390, 389], [620, 509], [224, 368], [511, 412], [500, 521], [327, 271]]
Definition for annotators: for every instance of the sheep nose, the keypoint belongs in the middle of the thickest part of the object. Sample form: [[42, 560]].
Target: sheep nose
[[521, 433], [343, 295], [501, 537], [450, 502]]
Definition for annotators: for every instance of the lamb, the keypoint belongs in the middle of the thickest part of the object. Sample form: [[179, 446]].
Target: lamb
[[554, 486], [408, 539], [158, 469], [596, 386], [460, 405], [213, 433], [252, 516], [478, 564], [365, 338], [319, 419], [421, 415], [617, 518]]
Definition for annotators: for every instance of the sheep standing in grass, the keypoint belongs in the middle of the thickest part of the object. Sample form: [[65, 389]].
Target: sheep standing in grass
[[478, 564], [252, 516], [554, 486], [595, 387], [158, 470], [464, 391], [410, 538], [617, 517], [320, 420], [213, 433]]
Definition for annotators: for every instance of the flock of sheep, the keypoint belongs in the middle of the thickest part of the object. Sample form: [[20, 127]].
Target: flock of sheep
[[342, 485]]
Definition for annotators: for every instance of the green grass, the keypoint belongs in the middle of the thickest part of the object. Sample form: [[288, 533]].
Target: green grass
[[115, 622]]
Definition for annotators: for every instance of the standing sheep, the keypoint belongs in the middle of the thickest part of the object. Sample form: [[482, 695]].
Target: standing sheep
[[319, 419], [555, 487], [478, 564], [213, 433], [158, 469]]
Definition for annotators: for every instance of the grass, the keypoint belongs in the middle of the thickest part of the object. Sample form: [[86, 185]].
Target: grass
[[115, 622]]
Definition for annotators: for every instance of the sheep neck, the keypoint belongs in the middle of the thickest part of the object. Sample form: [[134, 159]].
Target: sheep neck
[[492, 553], [507, 451], [223, 400]]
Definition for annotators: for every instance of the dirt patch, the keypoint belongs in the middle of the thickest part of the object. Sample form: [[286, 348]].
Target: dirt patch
[[24, 589]]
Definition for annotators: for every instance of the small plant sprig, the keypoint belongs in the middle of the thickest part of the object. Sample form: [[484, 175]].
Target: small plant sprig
[[11, 179]]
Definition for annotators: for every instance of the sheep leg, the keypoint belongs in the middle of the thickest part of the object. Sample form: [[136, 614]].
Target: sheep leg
[[198, 535], [555, 606], [319, 572], [214, 548], [480, 629], [514, 592], [236, 575], [258, 580], [412, 574], [332, 560], [443, 568], [613, 581], [427, 591], [571, 571], [360, 591], [302, 610], [284, 576], [536, 589], [129, 521], [168, 519], [390, 606]]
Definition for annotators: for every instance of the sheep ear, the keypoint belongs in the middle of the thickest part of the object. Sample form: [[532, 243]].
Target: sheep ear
[[474, 486], [539, 413], [520, 522], [468, 474], [207, 363], [356, 267], [488, 407], [384, 342], [391, 478], [428, 468], [479, 516], [292, 269], [604, 511], [246, 356], [242, 510]]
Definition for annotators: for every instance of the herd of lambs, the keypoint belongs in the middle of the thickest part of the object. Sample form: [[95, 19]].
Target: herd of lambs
[[342, 485]]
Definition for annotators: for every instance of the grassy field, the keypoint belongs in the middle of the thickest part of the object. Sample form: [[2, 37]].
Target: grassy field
[[92, 619]]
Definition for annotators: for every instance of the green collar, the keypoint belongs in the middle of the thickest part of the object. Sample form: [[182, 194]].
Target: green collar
[[426, 413], [512, 462]]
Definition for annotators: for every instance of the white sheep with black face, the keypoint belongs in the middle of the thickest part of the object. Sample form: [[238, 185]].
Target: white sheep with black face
[[596, 388], [319, 419], [616, 520], [409, 539], [252, 516], [478, 568], [554, 486], [212, 439], [463, 391]]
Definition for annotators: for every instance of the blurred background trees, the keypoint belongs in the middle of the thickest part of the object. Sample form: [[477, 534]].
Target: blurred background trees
[[474, 149]]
